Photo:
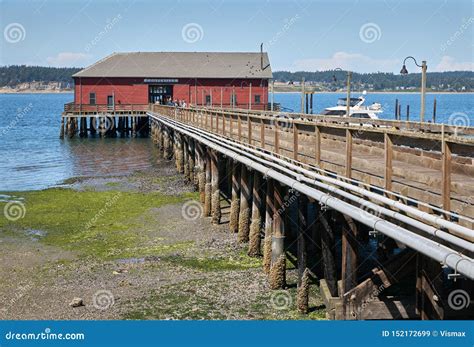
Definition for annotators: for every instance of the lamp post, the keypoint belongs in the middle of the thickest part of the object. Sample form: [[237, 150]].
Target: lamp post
[[424, 67], [348, 97]]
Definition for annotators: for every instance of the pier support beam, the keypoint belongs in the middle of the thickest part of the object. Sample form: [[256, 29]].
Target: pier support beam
[[277, 276], [269, 212], [93, 125], [201, 176], [191, 161], [208, 186], [61, 129], [302, 297], [429, 288], [215, 200], [256, 224], [134, 126], [179, 153], [235, 199], [245, 201], [184, 143], [328, 248], [350, 252]]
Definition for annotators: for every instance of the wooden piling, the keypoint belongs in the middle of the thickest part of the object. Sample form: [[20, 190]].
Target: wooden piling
[[256, 223], [134, 126], [245, 201], [302, 297], [269, 212], [350, 255], [61, 129], [235, 198], [179, 153], [215, 198], [208, 186], [277, 276], [328, 248], [429, 290], [93, 125], [201, 175], [185, 159], [191, 161]]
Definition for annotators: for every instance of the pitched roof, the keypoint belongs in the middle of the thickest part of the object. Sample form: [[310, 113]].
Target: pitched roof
[[180, 65]]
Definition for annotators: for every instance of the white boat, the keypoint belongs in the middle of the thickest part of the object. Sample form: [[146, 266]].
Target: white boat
[[357, 108]]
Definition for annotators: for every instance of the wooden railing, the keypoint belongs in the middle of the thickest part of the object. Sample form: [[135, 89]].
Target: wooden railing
[[418, 160], [104, 108]]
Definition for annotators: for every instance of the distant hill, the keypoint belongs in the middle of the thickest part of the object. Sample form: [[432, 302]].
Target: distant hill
[[16, 75], [437, 81]]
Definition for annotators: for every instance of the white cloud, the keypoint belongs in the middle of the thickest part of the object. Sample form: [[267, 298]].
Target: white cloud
[[351, 61], [69, 59], [448, 63]]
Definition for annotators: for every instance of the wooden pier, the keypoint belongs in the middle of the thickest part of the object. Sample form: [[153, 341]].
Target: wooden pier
[[104, 120], [379, 213]]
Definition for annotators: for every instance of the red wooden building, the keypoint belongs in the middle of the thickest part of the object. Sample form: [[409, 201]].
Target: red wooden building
[[229, 80]]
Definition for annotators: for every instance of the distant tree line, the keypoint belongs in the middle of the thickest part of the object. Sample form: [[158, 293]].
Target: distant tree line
[[455, 80], [15, 74]]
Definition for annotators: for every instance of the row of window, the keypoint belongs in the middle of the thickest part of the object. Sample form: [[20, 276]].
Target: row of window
[[157, 90]]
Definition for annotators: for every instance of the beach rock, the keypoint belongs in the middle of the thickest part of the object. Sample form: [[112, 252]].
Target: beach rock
[[76, 302]]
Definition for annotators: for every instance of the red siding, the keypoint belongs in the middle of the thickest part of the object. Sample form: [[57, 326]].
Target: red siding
[[193, 91]]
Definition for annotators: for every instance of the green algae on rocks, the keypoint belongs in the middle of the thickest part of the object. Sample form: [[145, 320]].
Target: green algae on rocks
[[96, 224]]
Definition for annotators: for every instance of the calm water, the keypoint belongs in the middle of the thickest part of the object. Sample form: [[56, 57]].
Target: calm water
[[457, 106], [33, 157]]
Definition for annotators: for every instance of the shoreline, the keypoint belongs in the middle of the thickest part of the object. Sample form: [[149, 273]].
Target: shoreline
[[373, 92], [33, 91]]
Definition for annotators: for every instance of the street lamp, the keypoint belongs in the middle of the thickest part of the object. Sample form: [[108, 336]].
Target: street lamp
[[424, 67], [348, 97]]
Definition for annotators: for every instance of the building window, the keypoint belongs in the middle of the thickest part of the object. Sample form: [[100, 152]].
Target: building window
[[257, 99], [208, 100], [92, 98]]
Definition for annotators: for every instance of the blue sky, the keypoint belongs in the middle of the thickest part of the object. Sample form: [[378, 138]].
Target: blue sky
[[360, 35]]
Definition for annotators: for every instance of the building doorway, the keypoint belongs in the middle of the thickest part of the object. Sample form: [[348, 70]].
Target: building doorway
[[160, 94]]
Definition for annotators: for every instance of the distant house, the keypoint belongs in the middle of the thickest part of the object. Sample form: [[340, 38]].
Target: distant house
[[198, 78]]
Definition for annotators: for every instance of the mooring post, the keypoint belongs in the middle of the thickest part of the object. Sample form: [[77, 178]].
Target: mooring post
[[235, 199], [269, 212], [278, 264], [256, 224], [302, 297], [215, 199], [208, 185], [245, 201]]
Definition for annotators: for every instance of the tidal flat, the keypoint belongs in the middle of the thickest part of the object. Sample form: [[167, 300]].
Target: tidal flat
[[121, 247]]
